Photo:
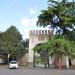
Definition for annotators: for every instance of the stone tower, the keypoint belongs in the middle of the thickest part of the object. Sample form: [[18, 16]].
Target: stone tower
[[35, 37]]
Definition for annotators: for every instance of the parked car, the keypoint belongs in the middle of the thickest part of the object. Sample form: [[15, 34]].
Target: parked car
[[13, 64]]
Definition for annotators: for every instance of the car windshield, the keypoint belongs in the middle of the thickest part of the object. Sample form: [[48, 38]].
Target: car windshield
[[13, 62]]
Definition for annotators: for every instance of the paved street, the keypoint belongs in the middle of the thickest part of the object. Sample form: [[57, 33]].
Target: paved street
[[36, 71]]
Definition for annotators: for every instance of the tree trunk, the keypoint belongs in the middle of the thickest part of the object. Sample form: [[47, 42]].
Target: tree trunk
[[34, 60], [70, 63], [48, 61], [67, 61], [59, 63]]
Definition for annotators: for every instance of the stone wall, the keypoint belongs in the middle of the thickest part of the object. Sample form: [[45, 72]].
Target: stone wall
[[35, 37], [23, 60]]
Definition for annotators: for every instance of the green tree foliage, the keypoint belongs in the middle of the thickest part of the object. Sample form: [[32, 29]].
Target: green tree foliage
[[23, 47], [59, 15], [55, 47], [71, 35], [43, 50], [11, 42]]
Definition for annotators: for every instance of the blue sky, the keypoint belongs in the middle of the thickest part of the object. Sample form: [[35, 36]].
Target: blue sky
[[20, 13]]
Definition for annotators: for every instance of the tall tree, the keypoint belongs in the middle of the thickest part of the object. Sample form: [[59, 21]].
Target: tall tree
[[59, 15], [12, 43]]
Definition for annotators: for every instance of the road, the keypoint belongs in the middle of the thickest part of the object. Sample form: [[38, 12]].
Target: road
[[35, 71]]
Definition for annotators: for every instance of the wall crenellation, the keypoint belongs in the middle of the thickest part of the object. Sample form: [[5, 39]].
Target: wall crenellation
[[41, 32]]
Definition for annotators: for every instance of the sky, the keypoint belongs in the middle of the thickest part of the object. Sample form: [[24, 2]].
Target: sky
[[22, 14]]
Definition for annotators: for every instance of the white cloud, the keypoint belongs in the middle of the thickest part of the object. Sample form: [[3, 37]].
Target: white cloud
[[27, 25], [32, 11], [27, 22], [25, 33]]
